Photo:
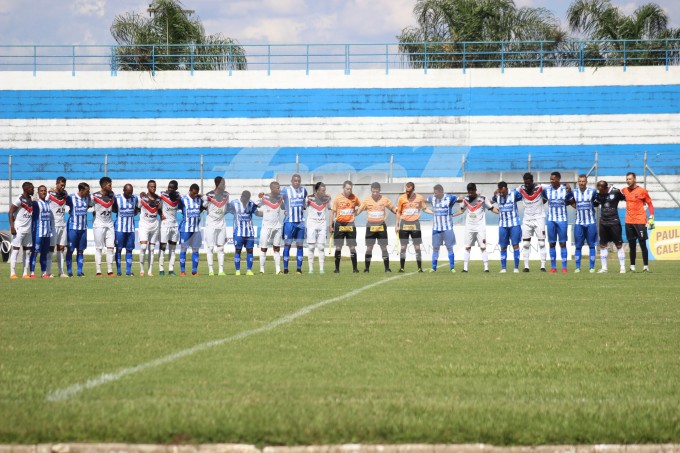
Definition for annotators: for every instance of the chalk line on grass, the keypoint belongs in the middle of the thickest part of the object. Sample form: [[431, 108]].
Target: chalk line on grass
[[73, 390]]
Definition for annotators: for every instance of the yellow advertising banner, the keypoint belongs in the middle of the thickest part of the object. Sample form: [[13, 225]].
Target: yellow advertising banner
[[664, 242]]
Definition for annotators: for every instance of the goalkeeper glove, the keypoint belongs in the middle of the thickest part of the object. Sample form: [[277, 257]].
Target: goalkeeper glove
[[650, 222]]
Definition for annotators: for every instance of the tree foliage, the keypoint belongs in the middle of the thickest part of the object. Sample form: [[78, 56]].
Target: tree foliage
[[170, 38]]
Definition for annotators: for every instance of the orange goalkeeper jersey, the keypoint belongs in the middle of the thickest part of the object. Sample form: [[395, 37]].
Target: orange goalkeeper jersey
[[636, 199]]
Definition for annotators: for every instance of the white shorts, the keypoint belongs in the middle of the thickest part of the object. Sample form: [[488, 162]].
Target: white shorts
[[475, 236], [59, 236], [104, 237], [169, 234], [22, 239], [215, 236], [533, 226], [270, 236], [150, 236], [317, 234]]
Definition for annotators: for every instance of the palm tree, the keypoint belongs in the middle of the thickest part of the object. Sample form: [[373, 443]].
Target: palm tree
[[170, 39], [623, 35], [489, 26]]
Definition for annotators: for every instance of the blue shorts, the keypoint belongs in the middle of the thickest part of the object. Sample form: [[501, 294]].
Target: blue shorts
[[125, 240], [443, 237], [41, 245], [77, 240], [293, 232], [247, 242], [585, 233], [509, 235], [557, 232]]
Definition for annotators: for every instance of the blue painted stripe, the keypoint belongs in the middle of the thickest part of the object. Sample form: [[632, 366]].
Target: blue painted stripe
[[285, 103], [184, 163]]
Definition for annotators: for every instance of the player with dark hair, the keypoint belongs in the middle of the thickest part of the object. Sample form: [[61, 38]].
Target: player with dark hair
[[608, 199], [102, 226], [294, 200], [215, 204], [269, 208], [637, 203], [475, 207], [558, 197], [78, 204], [343, 228], [533, 222], [191, 206], [170, 200], [509, 224], [20, 225], [442, 225], [317, 226], [585, 225], [42, 233], [376, 207], [409, 206], [126, 208], [149, 227], [59, 240], [244, 233]]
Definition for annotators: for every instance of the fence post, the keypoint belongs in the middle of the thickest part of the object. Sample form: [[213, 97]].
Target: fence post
[[73, 67], [9, 177], [231, 60], [106, 165], [297, 163], [464, 57], [307, 62], [624, 56], [666, 55], [644, 179], [202, 173], [35, 60], [462, 165], [581, 62], [391, 167], [387, 59], [153, 60], [269, 60], [529, 163], [425, 57], [502, 58], [541, 56], [597, 165]]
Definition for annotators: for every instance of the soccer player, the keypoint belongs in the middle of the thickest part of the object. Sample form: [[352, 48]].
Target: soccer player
[[442, 225], [78, 204], [215, 204], [534, 219], [318, 206], [149, 226], [170, 200], [59, 240], [244, 233], [376, 207], [104, 233], [585, 226], [342, 224], [42, 233], [126, 207], [475, 207], [608, 199], [20, 219], [270, 208], [509, 229], [637, 203], [294, 197], [190, 232], [558, 196], [409, 206]]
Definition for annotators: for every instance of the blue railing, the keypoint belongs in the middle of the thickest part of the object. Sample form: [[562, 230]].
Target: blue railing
[[346, 57]]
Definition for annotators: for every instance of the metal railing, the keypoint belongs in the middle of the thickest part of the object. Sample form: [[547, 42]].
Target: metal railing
[[345, 57]]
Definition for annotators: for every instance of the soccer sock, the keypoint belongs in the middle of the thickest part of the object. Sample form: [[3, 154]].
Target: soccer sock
[[419, 259], [622, 257], [367, 260], [172, 252], [237, 260], [435, 258], [286, 256], [13, 261], [485, 259], [32, 260], [526, 248], [263, 259], [182, 259], [220, 258], [541, 251], [577, 258], [504, 258], [249, 260], [515, 254], [310, 256], [645, 253], [386, 260], [633, 251], [25, 258], [128, 261], [563, 256], [142, 257], [46, 262], [194, 261], [322, 256], [98, 259], [353, 257], [277, 260], [79, 262], [591, 255], [161, 259], [152, 250], [300, 256], [209, 258], [603, 257], [402, 260], [553, 257], [69, 262], [452, 259], [60, 261], [109, 259], [466, 259], [337, 259], [118, 256]]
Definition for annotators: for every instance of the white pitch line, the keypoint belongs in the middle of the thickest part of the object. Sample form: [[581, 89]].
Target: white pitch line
[[73, 390]]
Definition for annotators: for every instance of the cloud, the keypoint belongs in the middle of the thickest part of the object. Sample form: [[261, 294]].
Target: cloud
[[90, 7]]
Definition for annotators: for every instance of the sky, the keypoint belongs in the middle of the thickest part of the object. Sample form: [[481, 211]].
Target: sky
[[69, 22]]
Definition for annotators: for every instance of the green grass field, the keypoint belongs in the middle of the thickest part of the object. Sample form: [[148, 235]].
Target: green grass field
[[437, 358]]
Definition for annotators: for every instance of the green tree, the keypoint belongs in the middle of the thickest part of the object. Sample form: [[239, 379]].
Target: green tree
[[624, 35], [486, 26], [171, 38]]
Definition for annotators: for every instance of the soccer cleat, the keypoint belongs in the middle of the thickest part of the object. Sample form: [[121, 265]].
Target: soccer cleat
[[222, 274], [622, 270], [486, 270], [453, 271], [13, 277], [261, 271], [285, 271], [237, 273], [388, 270], [110, 274], [420, 270], [98, 274], [646, 269], [604, 271], [26, 276], [63, 276], [503, 271], [366, 271], [278, 272], [80, 274], [632, 268], [149, 274], [564, 270], [311, 271], [543, 269], [577, 271], [141, 273], [516, 271], [401, 271], [553, 270], [46, 275], [249, 273], [432, 270], [298, 271], [321, 271], [592, 271], [194, 274], [120, 274], [172, 274], [526, 269], [355, 271], [465, 271], [161, 273], [32, 275], [70, 275], [130, 274], [337, 271], [183, 274], [211, 274]]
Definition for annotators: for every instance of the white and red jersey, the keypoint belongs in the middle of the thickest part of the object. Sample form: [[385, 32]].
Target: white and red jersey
[[169, 206], [148, 212], [215, 204], [23, 216], [533, 203], [58, 206], [271, 209], [475, 209], [103, 207], [317, 211]]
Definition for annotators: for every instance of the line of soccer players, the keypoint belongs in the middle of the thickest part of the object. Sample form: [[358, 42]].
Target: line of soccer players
[[40, 227]]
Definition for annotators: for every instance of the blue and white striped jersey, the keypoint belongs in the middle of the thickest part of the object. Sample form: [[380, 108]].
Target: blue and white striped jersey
[[42, 219], [557, 202], [191, 214], [125, 220], [243, 218], [77, 218], [442, 220], [294, 203], [507, 205], [585, 210]]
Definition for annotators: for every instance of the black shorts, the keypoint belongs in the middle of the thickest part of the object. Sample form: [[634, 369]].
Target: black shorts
[[410, 230], [610, 233], [345, 231], [636, 231], [376, 232]]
